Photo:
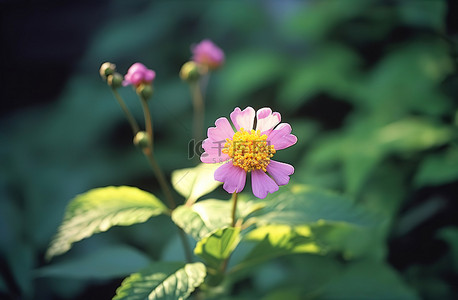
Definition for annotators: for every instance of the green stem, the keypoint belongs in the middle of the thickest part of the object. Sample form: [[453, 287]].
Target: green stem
[[199, 111], [160, 175], [234, 221], [234, 208], [130, 118]]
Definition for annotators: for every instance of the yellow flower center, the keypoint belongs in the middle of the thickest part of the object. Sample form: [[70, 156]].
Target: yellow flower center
[[249, 150]]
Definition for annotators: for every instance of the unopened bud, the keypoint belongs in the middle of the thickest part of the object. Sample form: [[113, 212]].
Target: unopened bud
[[145, 91], [107, 69], [115, 80], [191, 71], [141, 140]]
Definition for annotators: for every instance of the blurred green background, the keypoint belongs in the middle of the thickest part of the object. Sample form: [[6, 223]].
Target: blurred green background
[[369, 87]]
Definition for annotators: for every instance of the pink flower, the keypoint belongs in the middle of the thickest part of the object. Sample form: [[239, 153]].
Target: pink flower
[[208, 54], [138, 74], [249, 150]]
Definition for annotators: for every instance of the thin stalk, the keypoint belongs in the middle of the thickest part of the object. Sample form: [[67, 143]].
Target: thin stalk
[[199, 111], [133, 123], [160, 175], [234, 221], [234, 208]]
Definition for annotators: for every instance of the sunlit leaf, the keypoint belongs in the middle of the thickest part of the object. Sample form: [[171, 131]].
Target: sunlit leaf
[[218, 246], [103, 263], [192, 183], [204, 217], [162, 280], [276, 240], [100, 209]]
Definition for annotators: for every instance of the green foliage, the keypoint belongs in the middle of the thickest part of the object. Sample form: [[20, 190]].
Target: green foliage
[[299, 204], [164, 280], [218, 246], [192, 183], [100, 209], [206, 216]]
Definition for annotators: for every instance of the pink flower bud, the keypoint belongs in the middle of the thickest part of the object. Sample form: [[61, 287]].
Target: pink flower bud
[[208, 54], [138, 74]]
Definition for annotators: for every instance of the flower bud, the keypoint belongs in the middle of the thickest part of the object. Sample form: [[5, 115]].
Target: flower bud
[[138, 74], [141, 140], [191, 72], [107, 69], [145, 91], [208, 54], [115, 80]]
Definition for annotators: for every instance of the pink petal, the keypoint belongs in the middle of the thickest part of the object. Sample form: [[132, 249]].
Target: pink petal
[[213, 152], [280, 171], [137, 67], [222, 131], [262, 184], [233, 177], [266, 120], [243, 118], [281, 137], [149, 75]]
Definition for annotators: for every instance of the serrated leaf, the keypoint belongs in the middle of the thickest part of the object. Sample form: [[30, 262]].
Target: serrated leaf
[[300, 204], [104, 263], [193, 183], [218, 246], [162, 280], [100, 209]]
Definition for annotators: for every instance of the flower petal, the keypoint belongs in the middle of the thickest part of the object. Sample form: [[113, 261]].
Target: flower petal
[[262, 184], [222, 131], [213, 152], [234, 178], [280, 171], [281, 137], [266, 120], [243, 118]]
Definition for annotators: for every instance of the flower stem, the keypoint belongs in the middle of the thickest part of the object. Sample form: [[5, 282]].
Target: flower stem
[[160, 175], [133, 123], [199, 110], [234, 208]]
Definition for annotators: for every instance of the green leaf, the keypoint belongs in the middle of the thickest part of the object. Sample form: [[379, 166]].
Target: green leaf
[[206, 216], [203, 217], [162, 280], [218, 246], [450, 235], [300, 204], [438, 169], [367, 280], [193, 183], [103, 263], [100, 209], [277, 240]]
